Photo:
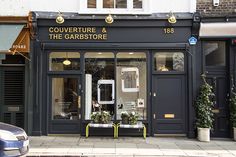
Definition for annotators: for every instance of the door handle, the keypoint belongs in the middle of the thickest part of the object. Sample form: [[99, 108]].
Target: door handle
[[154, 116], [216, 110], [154, 94]]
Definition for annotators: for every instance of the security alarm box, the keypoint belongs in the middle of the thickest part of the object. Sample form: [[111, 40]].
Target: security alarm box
[[216, 3], [140, 103]]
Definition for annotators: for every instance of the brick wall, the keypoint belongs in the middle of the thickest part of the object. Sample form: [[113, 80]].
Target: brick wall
[[226, 7]]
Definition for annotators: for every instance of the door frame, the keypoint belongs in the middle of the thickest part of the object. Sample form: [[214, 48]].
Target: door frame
[[216, 70], [188, 73], [3, 108], [49, 106]]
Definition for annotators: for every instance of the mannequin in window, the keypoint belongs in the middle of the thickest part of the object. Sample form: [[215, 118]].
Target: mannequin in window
[[163, 68], [96, 106]]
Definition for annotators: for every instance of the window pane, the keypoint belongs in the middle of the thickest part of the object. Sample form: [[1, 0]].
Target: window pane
[[108, 3], [129, 78], [60, 61], [138, 4], [131, 83], [214, 53], [65, 99], [91, 3], [169, 61], [121, 3], [99, 78]]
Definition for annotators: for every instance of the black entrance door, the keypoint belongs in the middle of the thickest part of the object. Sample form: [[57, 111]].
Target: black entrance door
[[12, 97], [65, 105], [220, 82], [169, 93], [216, 65]]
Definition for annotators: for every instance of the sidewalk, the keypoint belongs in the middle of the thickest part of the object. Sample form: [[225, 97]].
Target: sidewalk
[[129, 147]]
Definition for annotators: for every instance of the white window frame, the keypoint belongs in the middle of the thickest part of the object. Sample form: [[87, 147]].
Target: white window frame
[[102, 82], [83, 9], [132, 69]]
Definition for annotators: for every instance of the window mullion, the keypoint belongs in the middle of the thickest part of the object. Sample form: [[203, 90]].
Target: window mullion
[[99, 4], [129, 4]]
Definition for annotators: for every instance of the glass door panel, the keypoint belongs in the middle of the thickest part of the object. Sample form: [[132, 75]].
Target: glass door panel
[[65, 98]]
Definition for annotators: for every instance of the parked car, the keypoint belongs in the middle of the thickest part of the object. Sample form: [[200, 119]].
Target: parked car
[[13, 141]]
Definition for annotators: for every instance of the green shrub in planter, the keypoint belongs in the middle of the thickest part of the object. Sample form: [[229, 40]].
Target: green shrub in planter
[[204, 106], [233, 108], [125, 117], [102, 117], [95, 117], [133, 118], [105, 117]]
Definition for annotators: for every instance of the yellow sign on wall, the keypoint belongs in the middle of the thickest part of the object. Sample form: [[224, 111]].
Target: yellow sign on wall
[[77, 33]]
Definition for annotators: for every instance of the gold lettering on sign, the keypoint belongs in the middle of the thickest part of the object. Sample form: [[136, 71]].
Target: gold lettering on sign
[[77, 33], [169, 30], [104, 30], [55, 36]]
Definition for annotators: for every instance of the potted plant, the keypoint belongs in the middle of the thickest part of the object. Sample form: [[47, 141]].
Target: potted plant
[[95, 117], [233, 111], [133, 118], [105, 117], [125, 117], [204, 114]]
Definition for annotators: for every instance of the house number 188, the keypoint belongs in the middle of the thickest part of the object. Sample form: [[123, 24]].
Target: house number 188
[[169, 30]]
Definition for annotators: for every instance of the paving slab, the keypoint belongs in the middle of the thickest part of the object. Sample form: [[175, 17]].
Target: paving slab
[[129, 146]]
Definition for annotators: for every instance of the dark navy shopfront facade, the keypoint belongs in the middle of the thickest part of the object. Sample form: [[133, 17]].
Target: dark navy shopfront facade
[[114, 67]]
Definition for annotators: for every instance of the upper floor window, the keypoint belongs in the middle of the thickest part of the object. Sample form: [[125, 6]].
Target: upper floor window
[[114, 6]]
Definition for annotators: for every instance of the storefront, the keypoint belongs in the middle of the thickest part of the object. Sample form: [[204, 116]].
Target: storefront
[[14, 70], [217, 47], [137, 63]]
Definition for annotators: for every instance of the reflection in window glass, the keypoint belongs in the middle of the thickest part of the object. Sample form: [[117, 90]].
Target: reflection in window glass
[[131, 96], [214, 52], [114, 3], [65, 98], [138, 4], [60, 61], [121, 3], [169, 61], [108, 3], [99, 75], [91, 3]]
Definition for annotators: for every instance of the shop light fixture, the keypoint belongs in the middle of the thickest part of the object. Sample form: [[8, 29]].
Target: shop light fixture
[[60, 19], [66, 61], [109, 19], [99, 53], [131, 53], [172, 18]]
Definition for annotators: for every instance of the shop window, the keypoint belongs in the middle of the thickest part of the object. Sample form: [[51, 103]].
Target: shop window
[[65, 98], [214, 52], [60, 61], [114, 3], [169, 61], [114, 6], [138, 4], [91, 3], [131, 95], [99, 83]]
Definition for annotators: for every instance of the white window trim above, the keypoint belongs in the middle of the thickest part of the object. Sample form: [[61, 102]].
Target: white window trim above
[[129, 10]]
